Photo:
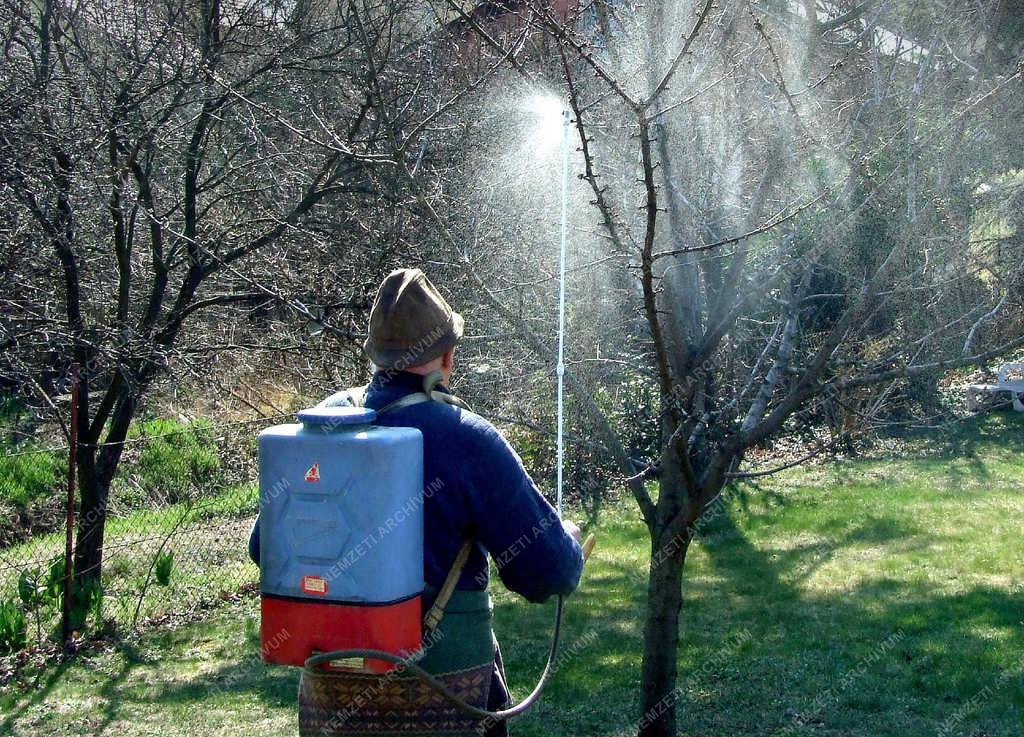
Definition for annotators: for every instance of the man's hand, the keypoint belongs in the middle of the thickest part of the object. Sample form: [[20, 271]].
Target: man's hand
[[573, 529]]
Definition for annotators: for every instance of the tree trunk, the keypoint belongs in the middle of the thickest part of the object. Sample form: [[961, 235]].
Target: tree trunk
[[97, 465], [661, 638], [664, 603], [92, 519]]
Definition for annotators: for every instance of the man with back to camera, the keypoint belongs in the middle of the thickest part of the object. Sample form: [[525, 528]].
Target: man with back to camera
[[477, 490]]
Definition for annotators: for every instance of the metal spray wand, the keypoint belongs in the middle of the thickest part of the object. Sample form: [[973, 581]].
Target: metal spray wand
[[560, 370]]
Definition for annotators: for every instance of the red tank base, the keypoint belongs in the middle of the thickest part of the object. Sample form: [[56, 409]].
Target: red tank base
[[291, 630]]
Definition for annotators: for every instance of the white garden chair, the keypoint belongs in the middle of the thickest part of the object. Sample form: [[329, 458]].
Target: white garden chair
[[1009, 380]]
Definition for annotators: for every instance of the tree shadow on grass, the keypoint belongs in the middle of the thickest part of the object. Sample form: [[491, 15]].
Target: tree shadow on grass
[[966, 469], [122, 697], [1002, 431], [109, 692], [960, 452], [963, 451], [763, 655], [274, 685], [731, 552], [36, 696], [878, 657]]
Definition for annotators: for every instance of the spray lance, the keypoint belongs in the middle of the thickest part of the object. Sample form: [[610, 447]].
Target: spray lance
[[277, 608]]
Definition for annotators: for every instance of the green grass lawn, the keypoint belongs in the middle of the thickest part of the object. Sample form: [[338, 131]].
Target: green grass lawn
[[883, 596]]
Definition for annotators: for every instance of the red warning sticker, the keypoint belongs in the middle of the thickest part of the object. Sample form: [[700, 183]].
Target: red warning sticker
[[316, 585], [313, 474]]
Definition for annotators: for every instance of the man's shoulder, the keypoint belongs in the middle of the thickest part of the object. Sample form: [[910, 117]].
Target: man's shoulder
[[457, 419], [484, 439], [464, 426], [477, 425]]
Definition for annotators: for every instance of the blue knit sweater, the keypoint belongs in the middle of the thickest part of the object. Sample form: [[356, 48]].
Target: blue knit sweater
[[475, 487]]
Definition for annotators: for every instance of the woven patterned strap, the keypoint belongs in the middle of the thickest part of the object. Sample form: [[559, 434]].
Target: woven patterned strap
[[340, 704]]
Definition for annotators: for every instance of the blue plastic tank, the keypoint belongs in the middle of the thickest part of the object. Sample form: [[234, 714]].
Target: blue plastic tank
[[341, 534]]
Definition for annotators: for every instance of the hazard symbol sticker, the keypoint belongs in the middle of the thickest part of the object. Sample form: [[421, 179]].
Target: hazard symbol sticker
[[316, 585], [313, 474]]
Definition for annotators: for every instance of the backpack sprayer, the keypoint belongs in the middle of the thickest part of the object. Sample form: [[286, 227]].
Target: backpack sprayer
[[341, 558]]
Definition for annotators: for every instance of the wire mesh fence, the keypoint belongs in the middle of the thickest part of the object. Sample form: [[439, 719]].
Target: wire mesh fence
[[178, 519]]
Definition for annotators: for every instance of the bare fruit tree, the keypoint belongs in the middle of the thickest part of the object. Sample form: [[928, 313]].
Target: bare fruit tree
[[792, 200], [171, 170]]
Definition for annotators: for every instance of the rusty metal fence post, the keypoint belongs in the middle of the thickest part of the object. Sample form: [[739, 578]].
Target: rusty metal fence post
[[65, 622]]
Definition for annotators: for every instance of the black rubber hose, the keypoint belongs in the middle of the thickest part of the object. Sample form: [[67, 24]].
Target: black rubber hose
[[441, 688]]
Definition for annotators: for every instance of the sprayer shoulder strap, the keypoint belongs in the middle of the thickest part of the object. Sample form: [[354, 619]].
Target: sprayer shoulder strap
[[436, 612], [419, 397], [429, 394], [356, 397]]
